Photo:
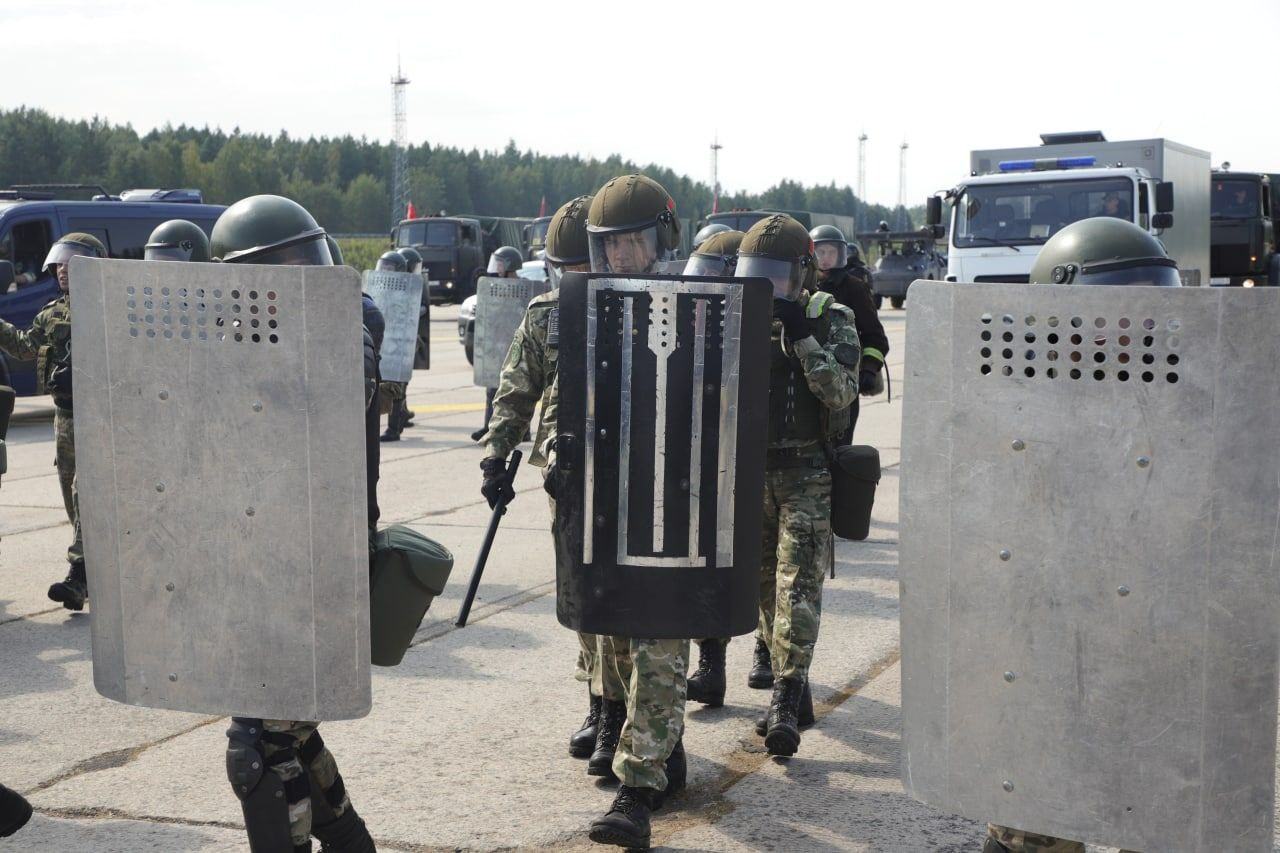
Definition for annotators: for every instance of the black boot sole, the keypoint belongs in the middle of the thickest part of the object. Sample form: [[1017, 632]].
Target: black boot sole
[[781, 741], [618, 838], [66, 597], [711, 700], [762, 728]]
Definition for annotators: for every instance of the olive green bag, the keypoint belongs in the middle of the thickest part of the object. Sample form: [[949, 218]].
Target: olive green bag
[[406, 572]]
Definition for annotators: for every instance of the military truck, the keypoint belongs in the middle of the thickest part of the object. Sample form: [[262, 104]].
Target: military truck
[[901, 258], [34, 217], [535, 237], [1242, 248], [742, 220], [1017, 198], [455, 249]]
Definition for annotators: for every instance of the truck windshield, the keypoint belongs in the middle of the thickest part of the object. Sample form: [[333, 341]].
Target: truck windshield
[[1234, 200], [538, 232], [428, 234], [1028, 214], [737, 221]]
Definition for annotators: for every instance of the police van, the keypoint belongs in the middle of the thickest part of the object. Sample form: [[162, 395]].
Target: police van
[[32, 220]]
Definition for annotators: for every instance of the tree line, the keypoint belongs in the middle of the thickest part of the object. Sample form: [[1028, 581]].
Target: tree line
[[345, 182]]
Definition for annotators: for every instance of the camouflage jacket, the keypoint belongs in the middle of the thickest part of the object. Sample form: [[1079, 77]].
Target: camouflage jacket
[[48, 341], [830, 366], [528, 376]]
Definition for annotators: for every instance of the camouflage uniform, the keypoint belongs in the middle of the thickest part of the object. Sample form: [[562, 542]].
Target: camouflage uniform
[[313, 787], [48, 341], [1017, 841], [655, 691], [797, 545]]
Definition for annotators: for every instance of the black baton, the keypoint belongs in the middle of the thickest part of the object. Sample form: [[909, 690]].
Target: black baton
[[499, 510]]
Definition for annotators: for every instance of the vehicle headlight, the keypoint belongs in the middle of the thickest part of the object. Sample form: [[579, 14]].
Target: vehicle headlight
[[1248, 282]]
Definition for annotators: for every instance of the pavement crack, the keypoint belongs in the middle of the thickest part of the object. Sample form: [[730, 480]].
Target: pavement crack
[[28, 616]]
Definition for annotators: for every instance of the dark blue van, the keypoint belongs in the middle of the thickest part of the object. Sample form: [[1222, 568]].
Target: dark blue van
[[31, 221]]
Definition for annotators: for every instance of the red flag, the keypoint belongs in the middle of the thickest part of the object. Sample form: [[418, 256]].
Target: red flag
[[542, 206], [411, 214], [715, 200]]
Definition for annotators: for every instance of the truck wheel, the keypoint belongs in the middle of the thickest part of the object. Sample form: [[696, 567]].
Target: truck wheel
[[469, 345], [897, 301], [877, 300]]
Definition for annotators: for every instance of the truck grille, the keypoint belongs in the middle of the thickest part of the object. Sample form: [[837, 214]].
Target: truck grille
[[1230, 259]]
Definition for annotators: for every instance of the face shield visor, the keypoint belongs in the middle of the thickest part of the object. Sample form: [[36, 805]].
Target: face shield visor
[[497, 266], [180, 251], [390, 266], [624, 251], [787, 276], [309, 250], [711, 265], [62, 252], [1142, 272], [831, 254]]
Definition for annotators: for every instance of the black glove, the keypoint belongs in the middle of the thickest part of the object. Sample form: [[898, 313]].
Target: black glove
[[551, 482], [495, 487], [870, 382], [794, 324]]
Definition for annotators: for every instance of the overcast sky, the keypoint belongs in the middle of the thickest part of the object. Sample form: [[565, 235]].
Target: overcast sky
[[786, 90]]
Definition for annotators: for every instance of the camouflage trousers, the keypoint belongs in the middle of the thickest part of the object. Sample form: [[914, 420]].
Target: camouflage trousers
[[653, 673], [614, 656], [64, 457], [795, 554], [587, 667], [313, 787], [389, 394], [1017, 841]]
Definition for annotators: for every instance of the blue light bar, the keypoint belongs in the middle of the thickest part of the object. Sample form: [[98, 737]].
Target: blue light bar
[[1047, 163]]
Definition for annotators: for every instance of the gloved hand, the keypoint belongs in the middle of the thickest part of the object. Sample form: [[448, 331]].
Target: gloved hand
[[870, 378], [794, 324], [551, 482], [494, 485]]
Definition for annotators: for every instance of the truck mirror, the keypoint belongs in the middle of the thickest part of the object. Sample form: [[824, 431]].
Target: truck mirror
[[1161, 221], [933, 210], [393, 235], [6, 276], [938, 231], [1164, 197]]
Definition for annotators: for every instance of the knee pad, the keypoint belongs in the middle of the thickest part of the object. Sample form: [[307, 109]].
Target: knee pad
[[260, 791]]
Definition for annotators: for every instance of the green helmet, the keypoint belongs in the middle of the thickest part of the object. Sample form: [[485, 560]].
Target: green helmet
[[707, 232], [269, 229], [833, 238], [632, 225], [1104, 250], [855, 256], [391, 261], [566, 241], [718, 255], [779, 249], [70, 245], [412, 259], [177, 240], [504, 261], [335, 251]]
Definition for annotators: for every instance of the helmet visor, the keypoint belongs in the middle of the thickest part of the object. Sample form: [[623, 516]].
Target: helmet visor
[[785, 275], [710, 265], [624, 251], [62, 252], [390, 266], [167, 252], [497, 265], [308, 252], [831, 254], [1149, 272]]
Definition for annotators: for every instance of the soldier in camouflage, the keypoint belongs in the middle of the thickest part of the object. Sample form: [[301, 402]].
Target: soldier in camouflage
[[812, 384], [528, 375], [285, 777], [48, 341]]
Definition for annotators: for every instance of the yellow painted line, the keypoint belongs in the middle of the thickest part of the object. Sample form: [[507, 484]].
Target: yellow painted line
[[438, 408]]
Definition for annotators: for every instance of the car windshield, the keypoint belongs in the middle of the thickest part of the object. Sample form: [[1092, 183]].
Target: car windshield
[[428, 234], [1234, 200], [1028, 214]]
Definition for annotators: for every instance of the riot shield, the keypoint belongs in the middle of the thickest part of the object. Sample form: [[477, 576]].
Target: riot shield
[[398, 296], [500, 306], [1089, 508], [664, 397], [221, 472]]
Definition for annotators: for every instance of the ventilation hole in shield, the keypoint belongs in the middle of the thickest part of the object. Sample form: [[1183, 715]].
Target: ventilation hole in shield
[[272, 323], [1075, 374], [253, 323], [235, 294], [1007, 337], [151, 333], [1099, 357], [1007, 353], [204, 336], [1077, 340], [1076, 322], [984, 369], [1053, 322], [1148, 376], [986, 336], [1123, 358], [253, 294], [1123, 376], [1031, 355], [148, 304], [1099, 375], [1029, 337], [201, 320], [150, 318], [164, 291], [271, 295], [185, 320], [1052, 373], [1099, 340], [235, 309], [985, 319], [1007, 319], [1172, 377], [182, 292], [236, 323], [257, 339], [1006, 370], [986, 352], [1174, 341], [133, 333], [275, 339], [1030, 320], [1124, 340], [1124, 322], [1148, 324], [1030, 372], [1076, 356], [132, 303], [239, 337], [1052, 355], [1148, 358], [130, 290], [186, 334], [217, 308], [1172, 359], [1174, 325], [253, 309], [168, 320], [1052, 338], [222, 336]]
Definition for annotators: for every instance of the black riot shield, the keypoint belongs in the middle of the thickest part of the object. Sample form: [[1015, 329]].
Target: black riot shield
[[662, 426]]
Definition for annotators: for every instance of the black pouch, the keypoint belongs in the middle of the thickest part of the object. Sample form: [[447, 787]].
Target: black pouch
[[855, 474], [406, 572]]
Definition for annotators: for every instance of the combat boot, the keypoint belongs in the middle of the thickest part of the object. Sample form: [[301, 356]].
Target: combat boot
[[677, 771], [15, 811], [344, 834], [612, 716], [783, 733], [72, 592], [761, 677], [395, 422], [707, 683], [583, 742], [804, 716], [626, 824]]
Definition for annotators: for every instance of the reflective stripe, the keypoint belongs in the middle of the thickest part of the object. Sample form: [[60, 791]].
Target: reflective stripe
[[873, 352], [818, 304]]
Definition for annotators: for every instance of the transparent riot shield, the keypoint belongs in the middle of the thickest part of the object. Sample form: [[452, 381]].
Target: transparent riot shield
[[398, 296], [221, 472], [500, 306], [1089, 508]]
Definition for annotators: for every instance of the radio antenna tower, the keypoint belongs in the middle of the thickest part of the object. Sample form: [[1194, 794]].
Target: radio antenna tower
[[862, 166], [399, 144], [715, 172], [902, 185]]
